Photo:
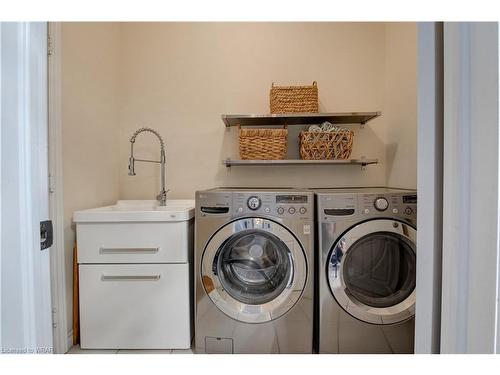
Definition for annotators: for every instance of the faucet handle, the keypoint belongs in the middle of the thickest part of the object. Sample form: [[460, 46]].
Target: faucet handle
[[162, 197], [131, 166]]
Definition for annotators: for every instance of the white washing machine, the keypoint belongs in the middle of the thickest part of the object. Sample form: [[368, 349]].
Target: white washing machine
[[254, 271], [366, 270]]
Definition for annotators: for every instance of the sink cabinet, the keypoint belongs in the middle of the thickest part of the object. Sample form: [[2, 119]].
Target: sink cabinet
[[135, 306], [129, 242], [135, 277]]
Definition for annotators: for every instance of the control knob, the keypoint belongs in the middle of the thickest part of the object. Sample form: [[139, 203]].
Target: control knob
[[281, 210], [381, 204], [253, 203]]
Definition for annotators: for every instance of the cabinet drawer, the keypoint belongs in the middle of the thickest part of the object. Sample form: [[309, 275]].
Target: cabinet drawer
[[148, 242], [144, 306]]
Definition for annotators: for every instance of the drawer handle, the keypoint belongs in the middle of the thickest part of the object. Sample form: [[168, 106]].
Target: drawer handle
[[128, 250], [131, 278]]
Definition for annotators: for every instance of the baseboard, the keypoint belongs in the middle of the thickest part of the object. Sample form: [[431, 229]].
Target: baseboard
[[69, 340]]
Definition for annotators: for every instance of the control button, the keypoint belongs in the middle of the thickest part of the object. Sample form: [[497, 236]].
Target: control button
[[240, 209], [408, 211], [367, 211], [267, 209], [291, 210], [281, 210], [253, 203], [303, 210], [395, 210], [381, 204]]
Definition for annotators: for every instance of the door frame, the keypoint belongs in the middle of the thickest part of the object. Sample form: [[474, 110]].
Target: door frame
[[62, 337], [430, 187], [0, 186], [458, 279], [30, 329], [471, 185]]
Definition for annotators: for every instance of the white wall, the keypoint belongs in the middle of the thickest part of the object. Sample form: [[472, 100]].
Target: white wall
[[180, 77], [400, 105], [90, 78]]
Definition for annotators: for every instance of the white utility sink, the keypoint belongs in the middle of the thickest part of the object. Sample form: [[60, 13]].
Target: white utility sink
[[135, 269], [138, 210]]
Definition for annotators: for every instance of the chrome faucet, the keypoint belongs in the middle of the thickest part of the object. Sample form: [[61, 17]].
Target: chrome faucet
[[162, 196]]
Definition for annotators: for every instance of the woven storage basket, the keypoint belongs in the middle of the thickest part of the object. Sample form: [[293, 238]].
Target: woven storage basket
[[326, 145], [287, 99], [263, 144]]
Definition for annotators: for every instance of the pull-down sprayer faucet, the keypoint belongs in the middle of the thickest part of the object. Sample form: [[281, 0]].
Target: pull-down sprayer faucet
[[162, 196]]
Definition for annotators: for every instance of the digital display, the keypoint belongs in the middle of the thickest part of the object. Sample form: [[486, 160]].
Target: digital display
[[410, 199], [291, 199]]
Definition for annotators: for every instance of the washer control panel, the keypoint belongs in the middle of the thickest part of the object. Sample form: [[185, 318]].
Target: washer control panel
[[226, 203], [287, 205], [344, 205]]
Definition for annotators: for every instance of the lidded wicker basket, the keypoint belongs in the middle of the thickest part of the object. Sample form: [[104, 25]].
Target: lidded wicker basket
[[263, 144], [288, 99], [319, 145]]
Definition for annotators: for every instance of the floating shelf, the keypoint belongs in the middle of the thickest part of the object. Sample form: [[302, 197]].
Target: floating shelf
[[362, 162], [299, 118]]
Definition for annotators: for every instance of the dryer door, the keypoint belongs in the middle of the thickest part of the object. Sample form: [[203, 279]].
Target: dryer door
[[254, 270], [372, 269]]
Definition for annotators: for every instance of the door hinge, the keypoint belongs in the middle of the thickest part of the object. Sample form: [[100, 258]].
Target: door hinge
[[51, 184], [54, 316], [49, 45]]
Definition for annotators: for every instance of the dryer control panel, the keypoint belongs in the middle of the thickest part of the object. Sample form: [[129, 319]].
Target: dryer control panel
[[345, 205]]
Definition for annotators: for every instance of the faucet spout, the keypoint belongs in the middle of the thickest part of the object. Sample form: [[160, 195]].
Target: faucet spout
[[162, 196]]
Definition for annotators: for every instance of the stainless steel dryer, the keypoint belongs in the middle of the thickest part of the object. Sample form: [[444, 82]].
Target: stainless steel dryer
[[254, 271], [366, 270]]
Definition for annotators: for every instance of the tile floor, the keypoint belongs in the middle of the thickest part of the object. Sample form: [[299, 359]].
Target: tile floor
[[76, 350]]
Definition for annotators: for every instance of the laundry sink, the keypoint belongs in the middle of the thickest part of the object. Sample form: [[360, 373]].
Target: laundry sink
[[138, 210], [134, 263]]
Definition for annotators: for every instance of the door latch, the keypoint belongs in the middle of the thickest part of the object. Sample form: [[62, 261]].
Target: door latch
[[46, 234]]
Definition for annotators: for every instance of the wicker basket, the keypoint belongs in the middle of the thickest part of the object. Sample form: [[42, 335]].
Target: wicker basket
[[287, 99], [263, 144], [326, 145]]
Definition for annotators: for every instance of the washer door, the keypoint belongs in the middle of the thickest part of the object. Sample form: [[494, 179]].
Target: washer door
[[372, 271], [254, 270]]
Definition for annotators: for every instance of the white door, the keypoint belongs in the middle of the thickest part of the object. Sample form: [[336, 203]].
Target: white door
[[471, 257], [25, 303], [458, 283]]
